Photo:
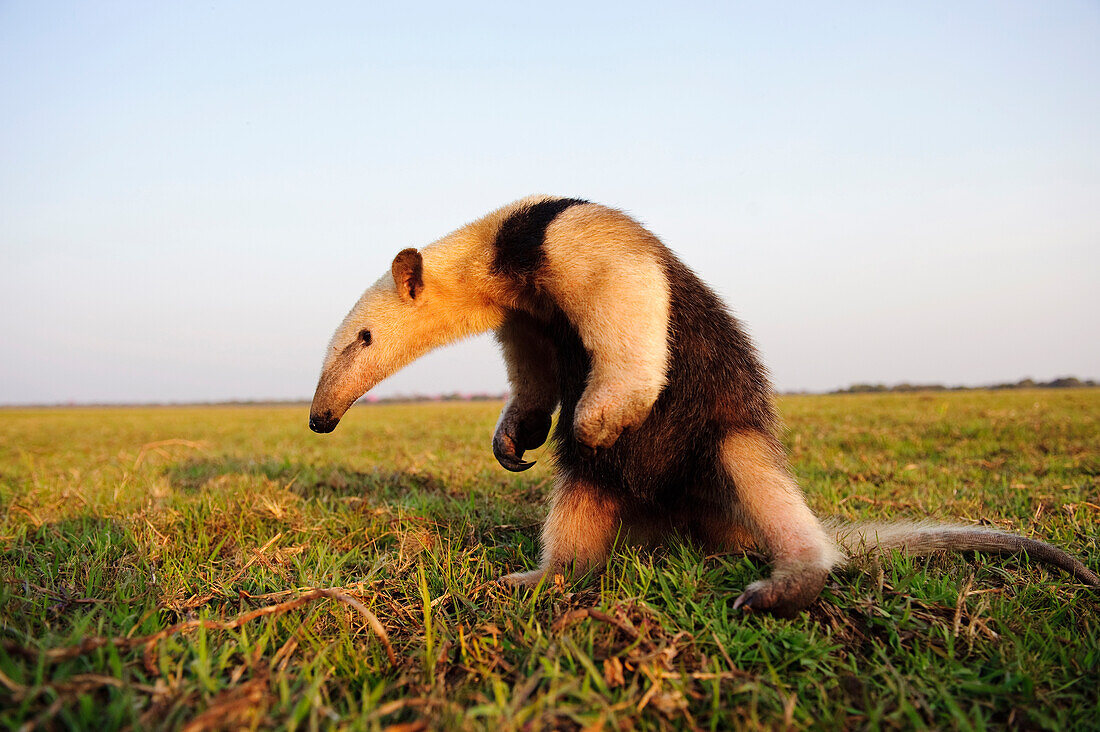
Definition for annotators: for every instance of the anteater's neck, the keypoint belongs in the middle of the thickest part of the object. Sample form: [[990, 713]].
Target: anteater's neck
[[466, 298]]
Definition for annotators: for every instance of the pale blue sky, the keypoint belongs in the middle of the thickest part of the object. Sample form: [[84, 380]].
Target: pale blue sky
[[191, 197]]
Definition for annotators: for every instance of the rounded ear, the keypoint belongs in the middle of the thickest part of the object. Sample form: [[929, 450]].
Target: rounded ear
[[408, 273]]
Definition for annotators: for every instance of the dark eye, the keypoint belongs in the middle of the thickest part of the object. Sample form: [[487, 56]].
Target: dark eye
[[364, 336]]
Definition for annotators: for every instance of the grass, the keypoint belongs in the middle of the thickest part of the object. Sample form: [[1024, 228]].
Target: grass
[[119, 523]]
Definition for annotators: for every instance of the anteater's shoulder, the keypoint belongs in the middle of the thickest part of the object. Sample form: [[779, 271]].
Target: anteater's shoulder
[[518, 245]]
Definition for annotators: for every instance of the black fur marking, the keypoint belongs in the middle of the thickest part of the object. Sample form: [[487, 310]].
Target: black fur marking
[[517, 248]]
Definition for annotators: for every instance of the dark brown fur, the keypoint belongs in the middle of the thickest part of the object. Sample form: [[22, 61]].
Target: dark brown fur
[[668, 473], [716, 383]]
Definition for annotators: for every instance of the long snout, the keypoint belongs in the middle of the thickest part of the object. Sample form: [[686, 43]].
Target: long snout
[[342, 382], [323, 422], [333, 398], [329, 405], [326, 410]]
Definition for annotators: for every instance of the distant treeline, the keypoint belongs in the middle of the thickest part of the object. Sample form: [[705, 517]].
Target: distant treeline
[[1064, 382]]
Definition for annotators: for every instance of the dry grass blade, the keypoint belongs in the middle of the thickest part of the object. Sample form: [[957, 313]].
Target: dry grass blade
[[370, 617], [621, 623], [960, 605], [59, 596], [617, 621], [149, 641], [706, 675], [78, 684], [234, 708], [159, 446], [13, 686]]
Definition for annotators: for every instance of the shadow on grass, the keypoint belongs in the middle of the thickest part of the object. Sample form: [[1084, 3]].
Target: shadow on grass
[[309, 481], [54, 570], [416, 496]]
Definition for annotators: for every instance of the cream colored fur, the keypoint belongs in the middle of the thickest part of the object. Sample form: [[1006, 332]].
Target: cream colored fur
[[775, 511], [603, 273], [911, 537], [459, 299], [914, 537], [579, 533]]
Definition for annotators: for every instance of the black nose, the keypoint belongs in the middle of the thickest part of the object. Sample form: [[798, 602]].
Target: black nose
[[323, 423]]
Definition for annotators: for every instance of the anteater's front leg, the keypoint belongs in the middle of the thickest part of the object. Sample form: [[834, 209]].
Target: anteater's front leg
[[525, 420], [775, 510], [578, 534], [620, 309]]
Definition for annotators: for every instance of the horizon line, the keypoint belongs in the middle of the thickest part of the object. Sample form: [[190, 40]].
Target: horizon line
[[1061, 382]]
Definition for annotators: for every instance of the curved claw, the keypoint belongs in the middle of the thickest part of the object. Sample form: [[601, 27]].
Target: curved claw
[[516, 466], [504, 449]]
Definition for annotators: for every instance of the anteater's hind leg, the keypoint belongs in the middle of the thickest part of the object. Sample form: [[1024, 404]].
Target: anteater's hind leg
[[775, 512], [578, 534], [719, 528]]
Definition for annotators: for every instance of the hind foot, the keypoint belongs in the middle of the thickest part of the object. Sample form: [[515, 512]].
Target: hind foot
[[785, 593]]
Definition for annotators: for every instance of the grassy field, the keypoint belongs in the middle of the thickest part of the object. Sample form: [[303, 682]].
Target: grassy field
[[116, 524]]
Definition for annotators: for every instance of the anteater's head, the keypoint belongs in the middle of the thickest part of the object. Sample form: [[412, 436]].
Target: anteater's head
[[391, 325]]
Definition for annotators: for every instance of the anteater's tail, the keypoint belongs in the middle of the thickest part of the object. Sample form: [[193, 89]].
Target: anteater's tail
[[926, 537]]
